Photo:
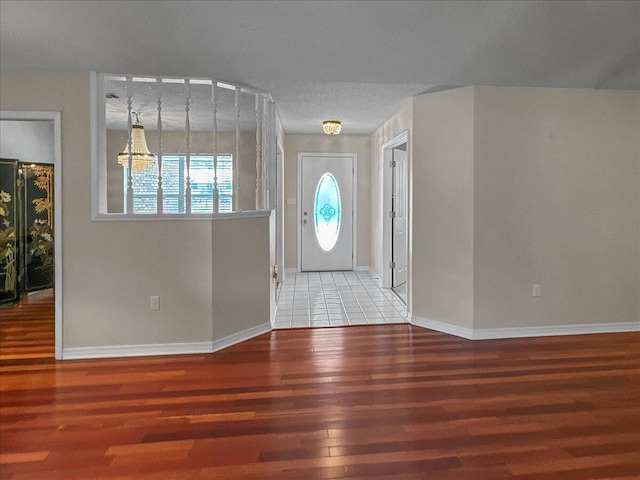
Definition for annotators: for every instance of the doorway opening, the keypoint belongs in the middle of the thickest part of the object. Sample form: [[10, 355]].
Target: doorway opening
[[34, 138], [397, 222]]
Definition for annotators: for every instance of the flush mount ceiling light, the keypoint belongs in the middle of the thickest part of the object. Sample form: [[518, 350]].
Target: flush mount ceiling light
[[141, 158], [331, 127]]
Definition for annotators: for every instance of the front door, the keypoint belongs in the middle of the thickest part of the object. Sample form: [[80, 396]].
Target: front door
[[326, 223]]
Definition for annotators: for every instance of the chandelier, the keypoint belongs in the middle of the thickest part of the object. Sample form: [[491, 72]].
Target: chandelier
[[141, 158], [331, 127]]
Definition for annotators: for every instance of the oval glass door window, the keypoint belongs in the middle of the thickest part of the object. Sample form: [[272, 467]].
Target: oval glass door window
[[327, 212]]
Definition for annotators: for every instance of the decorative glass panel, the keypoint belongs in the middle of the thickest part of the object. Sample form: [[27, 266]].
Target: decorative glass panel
[[327, 212]]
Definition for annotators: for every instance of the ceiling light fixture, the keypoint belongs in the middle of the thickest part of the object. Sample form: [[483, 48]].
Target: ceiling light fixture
[[331, 127], [141, 158]]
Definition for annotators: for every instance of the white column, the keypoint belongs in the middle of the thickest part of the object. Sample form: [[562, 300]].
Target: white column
[[216, 193], [129, 205], [187, 127], [236, 160], [258, 154], [160, 198]]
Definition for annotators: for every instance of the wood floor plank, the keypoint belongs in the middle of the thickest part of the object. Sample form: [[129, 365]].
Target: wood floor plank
[[384, 402]]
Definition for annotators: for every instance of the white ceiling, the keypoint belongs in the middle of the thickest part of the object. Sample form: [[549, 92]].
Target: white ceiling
[[351, 60]]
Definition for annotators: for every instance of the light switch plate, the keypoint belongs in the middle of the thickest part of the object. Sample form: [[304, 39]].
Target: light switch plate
[[154, 303]]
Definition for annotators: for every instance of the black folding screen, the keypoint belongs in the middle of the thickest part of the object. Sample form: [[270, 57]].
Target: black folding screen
[[8, 230], [26, 228]]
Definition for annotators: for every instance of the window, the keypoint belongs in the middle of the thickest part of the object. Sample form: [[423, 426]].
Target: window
[[174, 185], [327, 208]]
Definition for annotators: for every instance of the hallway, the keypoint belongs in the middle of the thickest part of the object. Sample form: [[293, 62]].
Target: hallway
[[329, 299]]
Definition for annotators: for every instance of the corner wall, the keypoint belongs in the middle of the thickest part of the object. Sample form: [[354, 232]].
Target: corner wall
[[243, 288], [520, 186], [442, 211]]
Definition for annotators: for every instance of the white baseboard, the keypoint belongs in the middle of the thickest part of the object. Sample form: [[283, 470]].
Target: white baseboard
[[241, 336], [583, 329], [164, 348], [522, 332], [291, 270], [442, 327], [361, 268], [136, 350]]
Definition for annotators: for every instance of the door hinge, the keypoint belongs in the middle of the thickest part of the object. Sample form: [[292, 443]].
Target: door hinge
[[392, 264], [392, 214], [392, 163]]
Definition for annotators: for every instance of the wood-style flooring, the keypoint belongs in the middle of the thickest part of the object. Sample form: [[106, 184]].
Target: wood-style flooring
[[384, 402], [27, 328]]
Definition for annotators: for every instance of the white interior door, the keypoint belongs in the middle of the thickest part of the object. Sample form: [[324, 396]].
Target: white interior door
[[326, 223], [400, 204]]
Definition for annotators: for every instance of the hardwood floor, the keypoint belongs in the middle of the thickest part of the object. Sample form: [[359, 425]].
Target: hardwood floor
[[387, 402], [27, 328]]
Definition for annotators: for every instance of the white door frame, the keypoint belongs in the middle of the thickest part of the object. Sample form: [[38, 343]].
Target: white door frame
[[387, 177], [56, 117], [354, 193], [279, 205]]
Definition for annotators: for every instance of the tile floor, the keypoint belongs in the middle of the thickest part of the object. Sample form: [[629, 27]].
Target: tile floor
[[329, 299]]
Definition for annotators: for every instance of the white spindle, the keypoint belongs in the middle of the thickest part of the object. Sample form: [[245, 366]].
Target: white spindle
[[216, 194], [236, 161], [258, 153], [187, 127], [129, 87], [267, 161], [160, 198]]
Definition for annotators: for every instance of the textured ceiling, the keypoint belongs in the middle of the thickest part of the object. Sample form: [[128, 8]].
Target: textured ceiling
[[353, 60]]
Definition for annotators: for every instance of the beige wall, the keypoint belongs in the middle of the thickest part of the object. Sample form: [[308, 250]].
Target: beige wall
[[242, 281], [442, 153], [521, 186], [294, 144], [27, 141], [557, 204], [111, 268], [398, 123], [174, 142]]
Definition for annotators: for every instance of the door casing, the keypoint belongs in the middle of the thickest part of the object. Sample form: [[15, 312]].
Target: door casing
[[354, 239], [400, 200], [279, 206], [56, 118], [387, 228]]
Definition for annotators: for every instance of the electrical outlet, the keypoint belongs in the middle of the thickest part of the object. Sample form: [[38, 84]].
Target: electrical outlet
[[291, 201], [536, 290], [154, 303]]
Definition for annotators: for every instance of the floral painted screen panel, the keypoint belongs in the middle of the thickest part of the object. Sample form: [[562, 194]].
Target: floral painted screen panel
[[327, 212], [8, 231], [38, 226]]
